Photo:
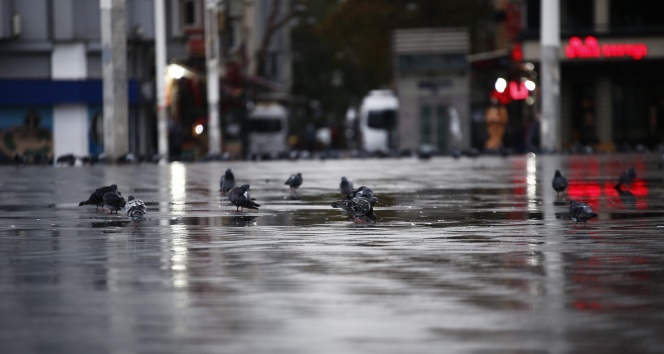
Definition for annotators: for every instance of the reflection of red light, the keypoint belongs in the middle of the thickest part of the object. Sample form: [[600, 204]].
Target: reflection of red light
[[580, 305], [590, 48], [596, 282], [639, 188], [588, 192]]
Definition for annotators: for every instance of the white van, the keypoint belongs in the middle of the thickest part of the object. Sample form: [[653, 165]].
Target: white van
[[268, 129], [378, 121]]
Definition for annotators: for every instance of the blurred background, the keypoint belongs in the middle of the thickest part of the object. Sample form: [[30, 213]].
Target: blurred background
[[272, 79]]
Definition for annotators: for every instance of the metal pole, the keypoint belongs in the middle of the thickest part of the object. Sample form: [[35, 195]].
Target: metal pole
[[160, 65], [114, 70], [550, 42], [213, 60]]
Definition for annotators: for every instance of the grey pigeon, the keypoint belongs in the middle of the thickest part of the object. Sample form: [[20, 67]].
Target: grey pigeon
[[135, 210], [113, 201], [97, 197], [294, 181], [559, 182], [364, 192], [626, 177], [580, 211], [227, 181], [239, 196], [346, 186], [359, 208]]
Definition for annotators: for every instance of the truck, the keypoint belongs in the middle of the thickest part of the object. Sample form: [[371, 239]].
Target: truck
[[267, 126], [378, 121]]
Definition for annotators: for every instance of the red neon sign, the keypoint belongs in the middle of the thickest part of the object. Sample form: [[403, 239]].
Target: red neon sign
[[590, 48]]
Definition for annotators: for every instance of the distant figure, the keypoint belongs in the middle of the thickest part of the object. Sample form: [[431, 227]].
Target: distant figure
[[227, 181], [587, 132], [559, 183], [496, 120], [27, 140], [626, 177]]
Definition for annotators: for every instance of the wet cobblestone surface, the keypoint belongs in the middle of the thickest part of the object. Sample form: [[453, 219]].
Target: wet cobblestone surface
[[468, 256]]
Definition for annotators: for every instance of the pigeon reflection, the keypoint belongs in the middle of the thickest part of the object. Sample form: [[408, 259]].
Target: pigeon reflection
[[627, 198], [242, 220], [109, 223]]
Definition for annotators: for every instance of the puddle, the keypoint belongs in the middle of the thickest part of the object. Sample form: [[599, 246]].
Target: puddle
[[471, 255]]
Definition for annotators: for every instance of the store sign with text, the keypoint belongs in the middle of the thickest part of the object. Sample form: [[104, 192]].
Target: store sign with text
[[591, 48]]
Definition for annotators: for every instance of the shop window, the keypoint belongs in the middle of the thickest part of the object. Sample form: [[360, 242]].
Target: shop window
[[532, 18], [190, 14], [635, 15], [576, 16]]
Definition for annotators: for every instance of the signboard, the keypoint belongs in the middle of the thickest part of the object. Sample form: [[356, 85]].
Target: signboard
[[591, 48]]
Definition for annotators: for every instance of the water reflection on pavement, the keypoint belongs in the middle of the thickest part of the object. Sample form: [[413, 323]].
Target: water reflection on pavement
[[470, 256]]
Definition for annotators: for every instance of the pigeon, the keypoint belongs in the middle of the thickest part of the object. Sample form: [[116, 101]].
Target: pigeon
[[113, 201], [227, 181], [456, 153], [346, 186], [364, 192], [294, 181], [559, 182], [97, 197], [135, 210], [360, 208], [580, 211], [239, 196], [626, 177]]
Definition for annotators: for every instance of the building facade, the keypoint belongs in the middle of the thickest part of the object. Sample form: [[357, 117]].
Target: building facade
[[51, 70], [432, 76], [612, 85]]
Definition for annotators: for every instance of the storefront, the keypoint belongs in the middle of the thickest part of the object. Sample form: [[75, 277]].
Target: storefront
[[612, 91]]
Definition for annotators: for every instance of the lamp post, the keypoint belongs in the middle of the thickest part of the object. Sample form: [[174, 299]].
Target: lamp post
[[114, 70], [160, 65], [213, 61], [550, 45]]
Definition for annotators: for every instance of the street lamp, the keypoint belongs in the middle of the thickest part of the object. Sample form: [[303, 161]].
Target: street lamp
[[500, 85], [175, 71]]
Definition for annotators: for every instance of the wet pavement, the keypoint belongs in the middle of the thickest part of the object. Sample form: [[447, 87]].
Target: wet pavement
[[468, 256]]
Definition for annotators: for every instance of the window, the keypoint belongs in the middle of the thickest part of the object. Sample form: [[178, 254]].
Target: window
[[576, 16], [384, 119], [190, 14], [635, 15], [264, 125]]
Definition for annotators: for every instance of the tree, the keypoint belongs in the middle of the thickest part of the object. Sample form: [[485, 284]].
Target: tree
[[275, 21], [342, 49]]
